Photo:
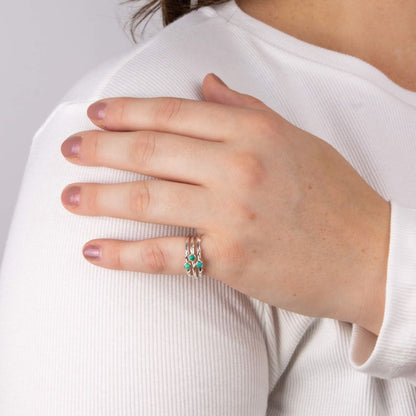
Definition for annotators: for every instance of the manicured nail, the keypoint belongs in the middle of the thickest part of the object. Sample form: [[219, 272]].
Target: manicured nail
[[71, 196], [97, 110], [70, 147], [92, 252]]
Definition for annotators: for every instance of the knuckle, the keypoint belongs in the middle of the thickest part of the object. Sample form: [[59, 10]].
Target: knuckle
[[94, 147], [117, 112], [266, 124], [91, 199], [168, 110], [246, 168], [117, 259], [241, 213], [144, 147], [139, 199], [153, 258]]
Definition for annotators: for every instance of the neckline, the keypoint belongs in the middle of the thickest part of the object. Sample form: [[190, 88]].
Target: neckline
[[232, 13]]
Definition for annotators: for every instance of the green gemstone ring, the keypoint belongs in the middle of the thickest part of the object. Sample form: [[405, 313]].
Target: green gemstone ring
[[193, 262]]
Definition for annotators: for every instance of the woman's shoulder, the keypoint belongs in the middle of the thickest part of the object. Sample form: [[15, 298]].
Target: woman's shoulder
[[161, 64]]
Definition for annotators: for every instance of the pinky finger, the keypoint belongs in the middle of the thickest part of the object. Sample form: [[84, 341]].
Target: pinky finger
[[162, 255]]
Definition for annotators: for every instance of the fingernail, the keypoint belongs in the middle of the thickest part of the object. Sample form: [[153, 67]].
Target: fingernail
[[71, 147], [97, 110], [71, 196], [92, 252]]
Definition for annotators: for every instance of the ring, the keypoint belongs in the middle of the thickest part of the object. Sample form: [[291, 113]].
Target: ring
[[194, 265]]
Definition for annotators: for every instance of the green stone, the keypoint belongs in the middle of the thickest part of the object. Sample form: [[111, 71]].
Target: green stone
[[187, 266], [200, 264], [192, 257]]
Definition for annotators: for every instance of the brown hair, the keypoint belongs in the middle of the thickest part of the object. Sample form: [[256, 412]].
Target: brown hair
[[171, 10]]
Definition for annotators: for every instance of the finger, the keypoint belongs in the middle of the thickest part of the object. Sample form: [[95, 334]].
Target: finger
[[155, 201], [215, 90], [162, 155], [163, 255], [201, 119]]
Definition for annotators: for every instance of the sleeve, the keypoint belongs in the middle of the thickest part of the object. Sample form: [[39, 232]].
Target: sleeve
[[392, 353], [87, 339]]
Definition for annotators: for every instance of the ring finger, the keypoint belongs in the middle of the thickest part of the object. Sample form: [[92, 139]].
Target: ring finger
[[163, 255], [155, 201]]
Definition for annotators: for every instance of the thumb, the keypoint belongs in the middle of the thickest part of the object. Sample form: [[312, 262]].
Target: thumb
[[216, 91]]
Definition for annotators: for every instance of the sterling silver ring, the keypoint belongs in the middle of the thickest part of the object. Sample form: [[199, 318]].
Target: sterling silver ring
[[194, 265]]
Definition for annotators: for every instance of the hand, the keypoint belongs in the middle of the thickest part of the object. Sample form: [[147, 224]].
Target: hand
[[284, 218]]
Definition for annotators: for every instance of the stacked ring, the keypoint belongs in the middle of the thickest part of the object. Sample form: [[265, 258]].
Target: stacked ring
[[194, 265]]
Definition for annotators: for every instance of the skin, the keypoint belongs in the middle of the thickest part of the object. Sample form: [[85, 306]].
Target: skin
[[263, 194], [380, 32]]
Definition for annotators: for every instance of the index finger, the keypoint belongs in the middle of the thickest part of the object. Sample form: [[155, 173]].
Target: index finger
[[201, 119]]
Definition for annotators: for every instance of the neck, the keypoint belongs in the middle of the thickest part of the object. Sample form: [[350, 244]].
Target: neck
[[380, 32]]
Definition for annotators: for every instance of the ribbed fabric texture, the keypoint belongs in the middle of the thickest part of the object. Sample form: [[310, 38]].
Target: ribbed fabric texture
[[81, 340]]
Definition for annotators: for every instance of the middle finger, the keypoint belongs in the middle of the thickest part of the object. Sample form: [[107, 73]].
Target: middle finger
[[155, 201], [158, 154]]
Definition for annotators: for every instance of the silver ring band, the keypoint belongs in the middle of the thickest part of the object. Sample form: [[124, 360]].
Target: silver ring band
[[194, 265]]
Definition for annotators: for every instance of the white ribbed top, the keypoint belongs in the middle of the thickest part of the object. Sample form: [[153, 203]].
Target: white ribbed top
[[80, 340]]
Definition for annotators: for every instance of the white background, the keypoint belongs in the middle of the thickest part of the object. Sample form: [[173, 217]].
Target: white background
[[46, 46]]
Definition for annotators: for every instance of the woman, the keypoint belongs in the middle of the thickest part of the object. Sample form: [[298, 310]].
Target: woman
[[299, 179]]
